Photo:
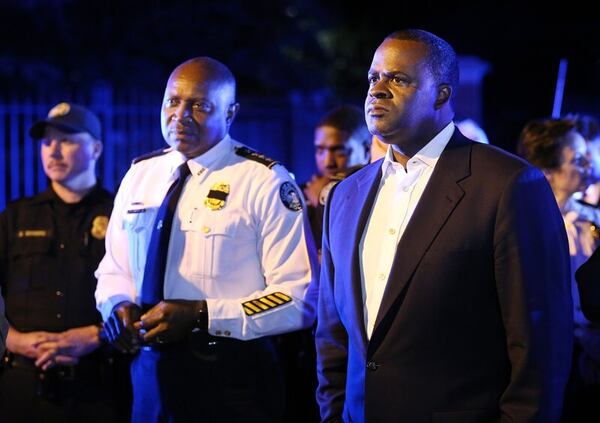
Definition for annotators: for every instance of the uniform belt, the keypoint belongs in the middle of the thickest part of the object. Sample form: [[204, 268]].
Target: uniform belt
[[205, 342]]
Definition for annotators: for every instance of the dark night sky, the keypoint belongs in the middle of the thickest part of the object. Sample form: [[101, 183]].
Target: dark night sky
[[278, 47]]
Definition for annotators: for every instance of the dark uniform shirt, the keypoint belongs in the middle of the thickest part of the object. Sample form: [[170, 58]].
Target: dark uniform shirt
[[49, 251]]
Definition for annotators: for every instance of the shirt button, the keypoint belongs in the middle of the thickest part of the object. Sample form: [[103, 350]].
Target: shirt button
[[391, 231], [381, 276], [405, 189], [59, 293], [58, 316], [371, 365], [205, 229], [217, 332], [62, 246], [227, 333]]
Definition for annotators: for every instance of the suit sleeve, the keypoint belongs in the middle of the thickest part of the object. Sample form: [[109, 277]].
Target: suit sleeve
[[331, 338], [532, 269]]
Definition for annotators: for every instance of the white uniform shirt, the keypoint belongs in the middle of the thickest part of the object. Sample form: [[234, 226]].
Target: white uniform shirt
[[249, 259], [398, 194]]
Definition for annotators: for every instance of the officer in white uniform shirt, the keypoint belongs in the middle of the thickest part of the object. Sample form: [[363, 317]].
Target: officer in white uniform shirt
[[239, 265]]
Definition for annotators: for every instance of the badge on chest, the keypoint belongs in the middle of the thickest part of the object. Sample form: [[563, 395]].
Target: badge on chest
[[215, 200]]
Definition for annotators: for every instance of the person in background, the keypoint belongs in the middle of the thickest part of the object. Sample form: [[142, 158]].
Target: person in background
[[342, 145], [433, 303], [58, 367], [589, 127], [557, 148], [588, 284], [207, 257]]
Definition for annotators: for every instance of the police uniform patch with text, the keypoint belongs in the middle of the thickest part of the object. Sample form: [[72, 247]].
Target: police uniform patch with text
[[99, 225], [266, 303], [290, 196], [215, 200]]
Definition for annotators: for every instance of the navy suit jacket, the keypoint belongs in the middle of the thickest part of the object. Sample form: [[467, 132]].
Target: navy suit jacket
[[475, 324]]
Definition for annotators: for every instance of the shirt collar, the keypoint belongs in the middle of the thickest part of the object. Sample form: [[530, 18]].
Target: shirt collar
[[206, 160], [50, 195], [429, 154]]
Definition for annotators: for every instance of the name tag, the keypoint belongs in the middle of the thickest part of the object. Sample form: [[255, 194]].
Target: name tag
[[32, 233]]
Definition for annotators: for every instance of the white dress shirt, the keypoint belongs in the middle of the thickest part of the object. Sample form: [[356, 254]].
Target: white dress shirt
[[397, 197], [253, 248]]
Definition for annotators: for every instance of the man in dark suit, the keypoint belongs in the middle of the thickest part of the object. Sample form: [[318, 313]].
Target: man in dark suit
[[444, 290]]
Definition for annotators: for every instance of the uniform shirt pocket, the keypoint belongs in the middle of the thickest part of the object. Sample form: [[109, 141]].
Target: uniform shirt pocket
[[29, 256], [138, 223], [210, 243]]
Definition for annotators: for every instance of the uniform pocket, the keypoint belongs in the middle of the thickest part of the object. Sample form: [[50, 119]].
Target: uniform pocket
[[210, 241], [28, 267], [139, 227]]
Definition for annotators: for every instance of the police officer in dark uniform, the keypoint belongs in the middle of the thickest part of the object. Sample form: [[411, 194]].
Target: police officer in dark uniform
[[57, 367]]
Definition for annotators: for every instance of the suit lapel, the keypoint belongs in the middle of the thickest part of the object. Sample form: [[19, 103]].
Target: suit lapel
[[442, 194], [362, 197]]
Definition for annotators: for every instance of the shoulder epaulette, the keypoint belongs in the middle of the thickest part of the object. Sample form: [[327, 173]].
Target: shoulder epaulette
[[257, 157], [147, 156]]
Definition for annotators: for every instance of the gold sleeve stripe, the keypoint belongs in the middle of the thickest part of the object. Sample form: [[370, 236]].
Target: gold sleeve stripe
[[260, 305], [275, 299], [268, 302], [283, 296], [251, 307]]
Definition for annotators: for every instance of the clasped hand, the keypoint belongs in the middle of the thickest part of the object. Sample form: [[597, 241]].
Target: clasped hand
[[168, 321], [51, 348]]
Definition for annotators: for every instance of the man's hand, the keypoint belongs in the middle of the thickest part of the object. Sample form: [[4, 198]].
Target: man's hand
[[71, 345], [169, 321], [119, 326], [29, 344]]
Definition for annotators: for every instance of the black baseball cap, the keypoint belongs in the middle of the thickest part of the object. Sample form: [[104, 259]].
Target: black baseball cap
[[70, 118]]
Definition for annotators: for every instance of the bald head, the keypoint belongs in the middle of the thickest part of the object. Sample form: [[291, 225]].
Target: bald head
[[199, 105], [209, 71]]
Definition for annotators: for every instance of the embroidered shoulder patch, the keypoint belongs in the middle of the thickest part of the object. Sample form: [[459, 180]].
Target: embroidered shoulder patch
[[257, 157], [266, 303], [290, 196], [147, 156]]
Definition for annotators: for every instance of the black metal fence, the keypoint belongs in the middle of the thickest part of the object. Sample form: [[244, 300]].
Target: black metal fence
[[280, 128]]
